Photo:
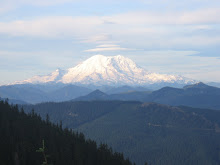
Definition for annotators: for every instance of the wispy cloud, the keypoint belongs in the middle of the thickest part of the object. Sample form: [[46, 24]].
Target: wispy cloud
[[50, 26], [53, 26], [9, 5], [101, 48], [107, 45], [143, 28], [199, 16], [43, 2], [97, 38]]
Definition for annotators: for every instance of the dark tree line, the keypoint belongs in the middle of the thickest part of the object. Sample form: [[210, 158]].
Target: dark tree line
[[22, 134]]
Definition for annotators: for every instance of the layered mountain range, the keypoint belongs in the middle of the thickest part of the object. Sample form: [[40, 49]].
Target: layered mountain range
[[197, 95], [107, 70]]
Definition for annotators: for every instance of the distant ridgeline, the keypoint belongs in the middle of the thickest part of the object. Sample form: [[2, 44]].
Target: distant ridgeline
[[144, 132], [22, 134], [198, 95]]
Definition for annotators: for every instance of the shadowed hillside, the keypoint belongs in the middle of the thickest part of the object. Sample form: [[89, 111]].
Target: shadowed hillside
[[22, 135], [158, 134]]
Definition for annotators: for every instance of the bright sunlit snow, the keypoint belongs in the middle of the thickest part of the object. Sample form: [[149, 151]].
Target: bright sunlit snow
[[107, 70]]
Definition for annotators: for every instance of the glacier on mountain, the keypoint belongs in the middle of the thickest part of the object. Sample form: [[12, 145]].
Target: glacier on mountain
[[107, 70]]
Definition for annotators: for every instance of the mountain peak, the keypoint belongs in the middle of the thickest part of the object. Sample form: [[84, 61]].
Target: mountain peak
[[102, 57], [108, 70], [95, 95], [104, 70], [97, 92], [197, 85]]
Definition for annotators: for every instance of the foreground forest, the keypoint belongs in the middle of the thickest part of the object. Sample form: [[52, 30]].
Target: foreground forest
[[144, 132], [23, 134]]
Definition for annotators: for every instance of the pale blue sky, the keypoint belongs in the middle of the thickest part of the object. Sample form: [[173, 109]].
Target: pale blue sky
[[165, 36]]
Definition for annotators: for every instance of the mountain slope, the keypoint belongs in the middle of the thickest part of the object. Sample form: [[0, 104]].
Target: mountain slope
[[125, 89], [107, 70], [22, 135], [52, 77], [178, 135], [198, 95], [27, 93], [155, 133], [11, 101], [68, 92], [95, 95], [35, 93]]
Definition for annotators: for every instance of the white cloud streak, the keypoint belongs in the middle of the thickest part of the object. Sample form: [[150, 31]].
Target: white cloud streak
[[97, 38], [101, 48], [105, 49], [200, 16], [9, 5], [53, 26], [50, 26], [162, 29]]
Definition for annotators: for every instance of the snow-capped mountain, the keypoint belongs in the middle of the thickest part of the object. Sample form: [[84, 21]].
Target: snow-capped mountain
[[107, 70], [55, 76]]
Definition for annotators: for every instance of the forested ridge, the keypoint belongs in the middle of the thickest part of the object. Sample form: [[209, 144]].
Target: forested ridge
[[22, 134], [144, 132], [198, 95]]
